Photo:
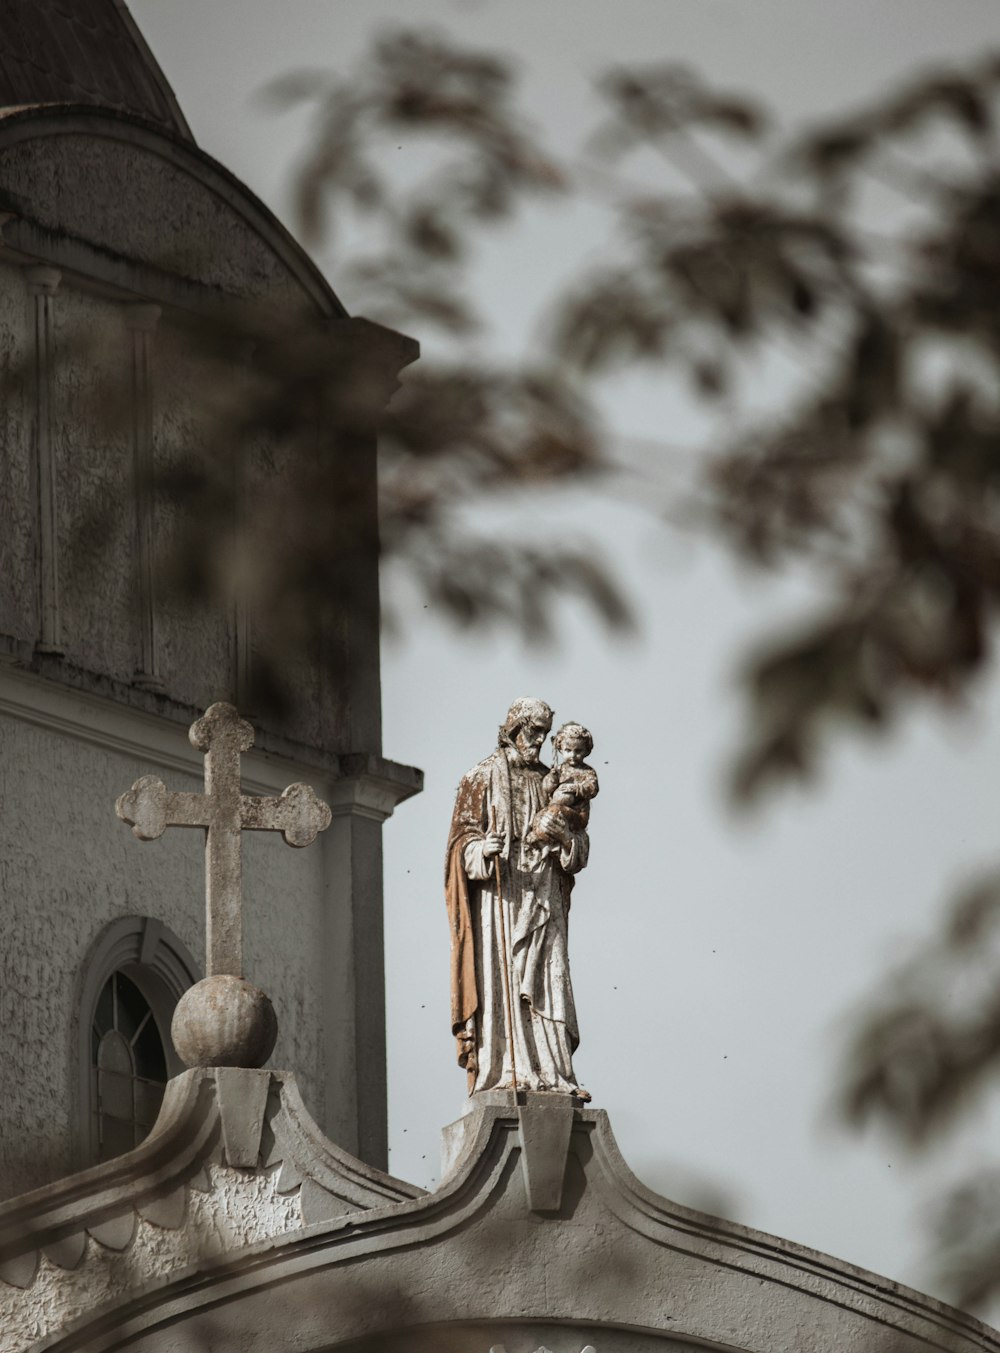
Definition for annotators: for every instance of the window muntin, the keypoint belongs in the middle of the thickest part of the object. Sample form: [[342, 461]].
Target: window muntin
[[156, 963], [128, 1066]]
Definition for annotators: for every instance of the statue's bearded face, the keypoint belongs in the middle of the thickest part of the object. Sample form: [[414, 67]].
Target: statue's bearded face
[[529, 738]]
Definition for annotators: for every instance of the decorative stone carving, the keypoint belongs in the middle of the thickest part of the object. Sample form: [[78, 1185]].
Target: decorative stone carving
[[499, 1348], [224, 813], [223, 1020], [234, 1160], [518, 835]]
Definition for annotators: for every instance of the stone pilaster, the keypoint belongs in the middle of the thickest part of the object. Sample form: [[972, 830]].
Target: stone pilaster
[[242, 678], [43, 283], [142, 321], [354, 1015]]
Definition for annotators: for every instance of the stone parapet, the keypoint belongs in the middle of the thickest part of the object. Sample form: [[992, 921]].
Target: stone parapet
[[306, 1249]]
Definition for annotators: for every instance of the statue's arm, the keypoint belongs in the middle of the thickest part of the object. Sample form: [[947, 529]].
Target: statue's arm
[[476, 863]]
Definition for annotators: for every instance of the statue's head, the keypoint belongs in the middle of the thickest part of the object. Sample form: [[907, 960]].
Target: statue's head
[[526, 728], [574, 742]]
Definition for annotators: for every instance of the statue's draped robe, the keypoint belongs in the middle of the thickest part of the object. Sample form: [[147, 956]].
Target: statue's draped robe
[[535, 887]]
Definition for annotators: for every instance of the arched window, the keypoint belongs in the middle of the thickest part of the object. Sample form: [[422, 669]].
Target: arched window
[[129, 1060], [136, 972]]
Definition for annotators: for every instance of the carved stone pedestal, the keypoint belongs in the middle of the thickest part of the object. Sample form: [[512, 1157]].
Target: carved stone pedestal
[[544, 1123]]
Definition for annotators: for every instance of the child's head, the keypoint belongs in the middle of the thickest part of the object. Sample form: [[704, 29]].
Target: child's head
[[573, 742]]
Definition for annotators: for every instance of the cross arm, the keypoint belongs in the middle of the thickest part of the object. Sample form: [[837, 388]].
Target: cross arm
[[149, 807], [297, 813]]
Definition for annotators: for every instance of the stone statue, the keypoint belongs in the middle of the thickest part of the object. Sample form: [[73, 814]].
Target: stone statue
[[508, 903]]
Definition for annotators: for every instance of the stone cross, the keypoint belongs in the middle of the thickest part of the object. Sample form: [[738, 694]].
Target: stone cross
[[224, 813]]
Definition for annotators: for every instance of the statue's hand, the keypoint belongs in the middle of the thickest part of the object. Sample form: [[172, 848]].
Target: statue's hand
[[492, 845], [554, 829]]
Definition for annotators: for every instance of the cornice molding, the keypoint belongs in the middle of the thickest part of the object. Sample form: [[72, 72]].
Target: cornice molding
[[131, 732], [362, 783]]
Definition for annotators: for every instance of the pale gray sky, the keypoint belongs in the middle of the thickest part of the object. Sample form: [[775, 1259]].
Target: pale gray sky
[[714, 962]]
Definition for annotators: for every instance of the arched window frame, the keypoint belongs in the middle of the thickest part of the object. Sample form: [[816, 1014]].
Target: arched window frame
[[161, 966]]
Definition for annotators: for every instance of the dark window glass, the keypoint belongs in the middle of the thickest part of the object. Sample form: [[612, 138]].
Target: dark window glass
[[132, 1008], [150, 1061], [104, 1015], [129, 1067]]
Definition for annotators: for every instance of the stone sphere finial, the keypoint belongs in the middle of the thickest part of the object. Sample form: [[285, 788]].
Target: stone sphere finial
[[224, 1021]]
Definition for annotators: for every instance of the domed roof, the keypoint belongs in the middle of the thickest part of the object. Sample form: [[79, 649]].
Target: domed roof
[[82, 51]]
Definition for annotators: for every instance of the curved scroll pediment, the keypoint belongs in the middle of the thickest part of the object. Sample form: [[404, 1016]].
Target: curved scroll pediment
[[534, 1241], [234, 1162]]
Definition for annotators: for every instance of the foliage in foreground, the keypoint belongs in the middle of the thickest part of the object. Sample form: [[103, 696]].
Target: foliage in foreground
[[864, 253]]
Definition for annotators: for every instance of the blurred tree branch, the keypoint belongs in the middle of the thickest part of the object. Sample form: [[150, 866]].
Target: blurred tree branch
[[868, 252], [879, 465], [865, 251]]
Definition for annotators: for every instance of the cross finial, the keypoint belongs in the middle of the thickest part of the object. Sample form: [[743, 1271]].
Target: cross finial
[[224, 813]]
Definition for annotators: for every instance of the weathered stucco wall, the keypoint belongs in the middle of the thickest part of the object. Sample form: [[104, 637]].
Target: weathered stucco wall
[[68, 868], [240, 1208], [195, 646], [116, 192], [334, 703], [147, 219], [91, 441]]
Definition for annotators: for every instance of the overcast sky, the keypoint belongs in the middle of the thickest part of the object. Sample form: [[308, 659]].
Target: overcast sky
[[716, 963]]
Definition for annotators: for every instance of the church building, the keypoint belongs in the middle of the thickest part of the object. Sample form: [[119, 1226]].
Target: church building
[[118, 235], [192, 1130]]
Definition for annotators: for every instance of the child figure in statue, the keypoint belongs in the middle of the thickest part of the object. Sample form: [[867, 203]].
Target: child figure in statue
[[569, 786]]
